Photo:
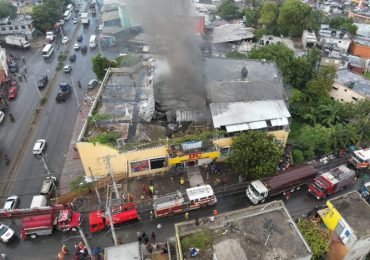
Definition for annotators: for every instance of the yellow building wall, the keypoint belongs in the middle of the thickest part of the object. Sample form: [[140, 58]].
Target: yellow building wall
[[223, 142], [180, 159], [332, 217], [281, 135]]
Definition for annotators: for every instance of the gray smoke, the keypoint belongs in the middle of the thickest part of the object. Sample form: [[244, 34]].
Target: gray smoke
[[172, 33]]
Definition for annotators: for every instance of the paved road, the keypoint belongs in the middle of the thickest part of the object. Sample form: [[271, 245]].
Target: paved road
[[47, 247]]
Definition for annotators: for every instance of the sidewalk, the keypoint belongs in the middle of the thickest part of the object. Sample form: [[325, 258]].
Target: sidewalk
[[72, 164]]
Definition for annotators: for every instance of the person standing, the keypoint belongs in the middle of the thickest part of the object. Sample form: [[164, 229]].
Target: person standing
[[153, 236], [186, 215]]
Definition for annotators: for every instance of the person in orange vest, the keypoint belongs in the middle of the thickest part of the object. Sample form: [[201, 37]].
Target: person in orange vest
[[182, 181]]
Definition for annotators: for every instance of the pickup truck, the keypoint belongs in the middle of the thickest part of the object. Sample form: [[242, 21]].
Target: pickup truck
[[64, 92]]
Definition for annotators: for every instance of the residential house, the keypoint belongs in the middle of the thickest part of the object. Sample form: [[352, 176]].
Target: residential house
[[333, 40], [265, 231], [20, 25], [348, 217], [309, 39], [337, 63]]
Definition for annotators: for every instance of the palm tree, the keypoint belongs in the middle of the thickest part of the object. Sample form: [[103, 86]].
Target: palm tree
[[330, 113], [310, 115]]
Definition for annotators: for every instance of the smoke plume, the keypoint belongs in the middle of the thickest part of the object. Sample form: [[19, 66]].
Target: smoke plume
[[171, 30]]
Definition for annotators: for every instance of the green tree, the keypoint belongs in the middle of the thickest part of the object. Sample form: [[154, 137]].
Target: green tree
[[256, 154], [343, 135], [280, 54], [7, 9], [316, 237], [298, 157], [79, 184], [47, 14], [228, 10], [100, 64], [315, 138], [322, 84], [330, 113], [251, 16], [342, 22], [293, 18], [268, 14]]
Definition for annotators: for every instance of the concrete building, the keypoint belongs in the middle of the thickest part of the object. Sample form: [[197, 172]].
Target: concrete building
[[343, 93], [337, 63], [309, 39], [21, 25], [348, 217], [334, 40], [270, 39], [261, 232]]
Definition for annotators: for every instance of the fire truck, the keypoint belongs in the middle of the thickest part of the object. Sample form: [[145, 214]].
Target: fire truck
[[177, 202], [360, 158], [44, 224], [332, 181], [123, 213]]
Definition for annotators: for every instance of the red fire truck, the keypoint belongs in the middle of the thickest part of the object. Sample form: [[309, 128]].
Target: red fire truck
[[177, 202], [331, 182], [44, 224], [123, 213]]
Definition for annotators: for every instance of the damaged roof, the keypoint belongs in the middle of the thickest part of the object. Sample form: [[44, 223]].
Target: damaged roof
[[231, 33]]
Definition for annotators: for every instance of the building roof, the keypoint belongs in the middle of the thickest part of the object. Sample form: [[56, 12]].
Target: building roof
[[363, 29], [231, 33], [237, 113], [224, 84], [109, 30], [270, 39], [125, 251], [109, 16], [263, 232], [360, 84], [356, 212]]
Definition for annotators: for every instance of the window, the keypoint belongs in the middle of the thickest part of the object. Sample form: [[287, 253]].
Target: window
[[157, 163], [11, 28], [140, 166], [16, 27], [23, 27], [3, 28]]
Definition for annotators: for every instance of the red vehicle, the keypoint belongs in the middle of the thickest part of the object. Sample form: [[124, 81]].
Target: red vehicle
[[68, 220], [12, 93], [44, 224], [123, 213], [177, 202], [331, 182]]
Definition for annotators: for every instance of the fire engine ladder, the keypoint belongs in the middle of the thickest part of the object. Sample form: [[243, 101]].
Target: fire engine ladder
[[21, 213]]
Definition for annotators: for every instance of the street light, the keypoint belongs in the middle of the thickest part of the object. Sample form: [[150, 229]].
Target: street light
[[74, 89]]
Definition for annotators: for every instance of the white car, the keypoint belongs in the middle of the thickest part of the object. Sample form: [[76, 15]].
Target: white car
[[62, 22], [11, 202], [76, 46], [39, 147], [6, 233], [65, 40], [2, 116], [67, 69], [92, 83]]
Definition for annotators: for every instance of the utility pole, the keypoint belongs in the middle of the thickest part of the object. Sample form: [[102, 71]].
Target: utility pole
[[109, 168], [45, 166], [95, 187], [108, 212], [86, 243]]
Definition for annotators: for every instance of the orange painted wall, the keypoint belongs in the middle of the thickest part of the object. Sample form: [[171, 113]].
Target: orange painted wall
[[360, 50]]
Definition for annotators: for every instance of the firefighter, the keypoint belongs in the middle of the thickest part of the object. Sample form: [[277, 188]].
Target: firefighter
[[151, 214], [182, 181]]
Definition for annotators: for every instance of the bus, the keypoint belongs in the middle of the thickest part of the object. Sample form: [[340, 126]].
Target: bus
[[70, 7], [92, 42], [67, 15], [48, 51]]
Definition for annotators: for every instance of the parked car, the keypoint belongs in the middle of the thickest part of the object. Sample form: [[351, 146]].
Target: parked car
[[83, 49], [11, 202], [42, 82], [12, 93], [79, 38], [72, 58], [76, 46], [39, 147], [65, 40], [2, 116], [74, 20], [92, 83], [6, 233], [67, 68], [62, 21]]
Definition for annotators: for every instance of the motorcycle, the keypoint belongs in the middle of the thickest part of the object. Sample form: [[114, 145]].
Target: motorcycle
[[11, 118], [6, 159]]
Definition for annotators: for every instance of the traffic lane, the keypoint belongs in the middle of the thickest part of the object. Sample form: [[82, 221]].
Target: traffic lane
[[23, 107]]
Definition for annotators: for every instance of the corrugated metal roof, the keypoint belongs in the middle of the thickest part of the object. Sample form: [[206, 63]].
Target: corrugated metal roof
[[279, 121], [236, 128], [229, 114], [231, 33]]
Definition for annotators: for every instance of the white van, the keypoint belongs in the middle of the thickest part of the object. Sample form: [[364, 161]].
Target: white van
[[92, 42], [70, 7], [38, 201], [67, 15]]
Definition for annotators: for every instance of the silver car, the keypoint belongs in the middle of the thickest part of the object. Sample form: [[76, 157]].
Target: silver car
[[11, 202]]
